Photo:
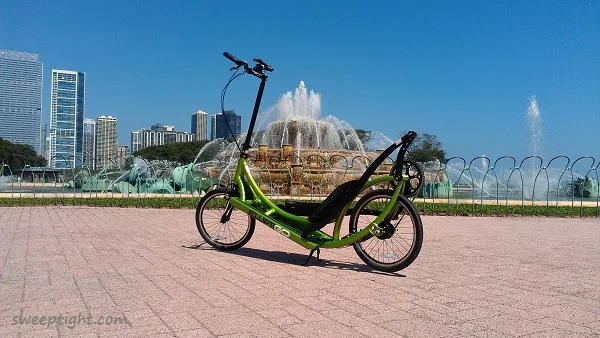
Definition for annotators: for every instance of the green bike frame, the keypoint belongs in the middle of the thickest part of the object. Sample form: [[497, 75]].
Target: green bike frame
[[286, 224]]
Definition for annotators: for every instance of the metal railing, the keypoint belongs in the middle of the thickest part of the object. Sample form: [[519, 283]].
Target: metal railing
[[560, 186]]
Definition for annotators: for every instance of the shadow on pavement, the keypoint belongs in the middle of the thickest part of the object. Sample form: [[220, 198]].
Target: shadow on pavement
[[294, 258]]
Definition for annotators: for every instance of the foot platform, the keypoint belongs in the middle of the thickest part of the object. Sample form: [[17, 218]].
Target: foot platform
[[318, 250]]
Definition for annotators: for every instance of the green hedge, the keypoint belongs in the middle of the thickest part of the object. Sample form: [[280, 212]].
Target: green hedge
[[171, 202], [469, 209], [466, 209]]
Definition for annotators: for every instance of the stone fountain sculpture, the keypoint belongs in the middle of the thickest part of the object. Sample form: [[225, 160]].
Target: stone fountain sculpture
[[296, 152]]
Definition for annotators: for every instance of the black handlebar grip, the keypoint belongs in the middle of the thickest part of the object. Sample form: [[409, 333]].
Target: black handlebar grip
[[266, 66], [233, 59]]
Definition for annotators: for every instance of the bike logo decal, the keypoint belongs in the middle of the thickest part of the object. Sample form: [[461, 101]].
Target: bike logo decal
[[281, 230], [268, 223]]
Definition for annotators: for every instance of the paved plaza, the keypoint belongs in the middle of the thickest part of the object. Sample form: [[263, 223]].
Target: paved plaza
[[475, 276]]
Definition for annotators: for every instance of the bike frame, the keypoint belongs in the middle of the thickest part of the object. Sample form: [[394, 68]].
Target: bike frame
[[250, 199], [243, 179]]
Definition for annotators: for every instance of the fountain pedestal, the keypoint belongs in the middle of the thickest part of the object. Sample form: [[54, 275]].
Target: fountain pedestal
[[286, 152], [262, 153], [296, 186]]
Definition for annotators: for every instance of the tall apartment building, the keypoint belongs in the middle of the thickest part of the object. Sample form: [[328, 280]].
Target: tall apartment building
[[158, 135], [200, 125], [136, 141], [67, 107], [122, 153], [21, 98], [213, 126], [219, 124], [89, 144], [106, 141]]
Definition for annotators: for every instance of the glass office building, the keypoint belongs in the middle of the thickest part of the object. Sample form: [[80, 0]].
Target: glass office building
[[219, 126], [21, 98], [66, 119]]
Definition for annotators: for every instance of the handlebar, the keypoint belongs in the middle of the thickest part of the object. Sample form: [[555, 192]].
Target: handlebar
[[235, 60], [258, 70]]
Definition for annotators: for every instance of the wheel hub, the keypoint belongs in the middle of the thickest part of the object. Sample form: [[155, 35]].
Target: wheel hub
[[387, 230]]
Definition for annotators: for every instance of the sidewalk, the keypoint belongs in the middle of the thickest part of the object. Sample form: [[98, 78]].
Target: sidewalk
[[475, 276]]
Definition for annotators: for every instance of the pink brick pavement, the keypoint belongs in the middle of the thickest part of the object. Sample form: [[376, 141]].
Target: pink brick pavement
[[475, 276]]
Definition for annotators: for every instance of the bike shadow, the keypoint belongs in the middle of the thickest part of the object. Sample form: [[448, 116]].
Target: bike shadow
[[295, 258]]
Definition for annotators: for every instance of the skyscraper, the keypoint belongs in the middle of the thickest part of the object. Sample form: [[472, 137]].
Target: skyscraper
[[200, 125], [89, 144], [122, 153], [213, 127], [106, 141], [21, 98], [219, 125], [66, 118], [136, 141]]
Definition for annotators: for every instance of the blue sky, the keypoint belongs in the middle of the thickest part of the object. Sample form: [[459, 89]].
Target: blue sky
[[462, 70]]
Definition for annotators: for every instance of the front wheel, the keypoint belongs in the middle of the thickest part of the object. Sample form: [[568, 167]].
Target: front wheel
[[399, 243], [220, 225]]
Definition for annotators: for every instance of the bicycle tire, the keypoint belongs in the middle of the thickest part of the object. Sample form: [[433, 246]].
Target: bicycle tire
[[216, 233], [406, 211]]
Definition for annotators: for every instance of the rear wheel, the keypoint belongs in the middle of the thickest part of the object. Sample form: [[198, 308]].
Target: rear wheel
[[399, 243], [220, 225]]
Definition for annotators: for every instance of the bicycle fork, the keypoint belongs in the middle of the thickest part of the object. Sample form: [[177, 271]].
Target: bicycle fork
[[227, 214]]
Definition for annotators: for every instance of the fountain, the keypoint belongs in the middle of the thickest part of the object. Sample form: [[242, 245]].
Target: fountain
[[296, 151], [532, 179], [534, 123], [8, 178], [300, 114]]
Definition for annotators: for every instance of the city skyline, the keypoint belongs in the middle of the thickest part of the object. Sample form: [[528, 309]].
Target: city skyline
[[462, 71], [73, 139], [21, 99]]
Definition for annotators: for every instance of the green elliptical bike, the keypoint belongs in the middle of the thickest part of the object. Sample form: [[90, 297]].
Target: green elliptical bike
[[385, 228]]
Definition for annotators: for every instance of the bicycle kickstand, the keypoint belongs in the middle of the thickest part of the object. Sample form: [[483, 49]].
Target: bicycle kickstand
[[318, 250]]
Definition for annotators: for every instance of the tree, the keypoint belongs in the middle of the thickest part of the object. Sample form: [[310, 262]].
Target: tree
[[183, 152], [16, 156], [363, 135], [426, 148]]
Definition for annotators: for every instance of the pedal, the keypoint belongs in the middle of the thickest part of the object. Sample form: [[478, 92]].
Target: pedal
[[318, 250]]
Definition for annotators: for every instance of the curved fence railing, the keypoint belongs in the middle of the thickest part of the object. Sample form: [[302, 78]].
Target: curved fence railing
[[558, 186]]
